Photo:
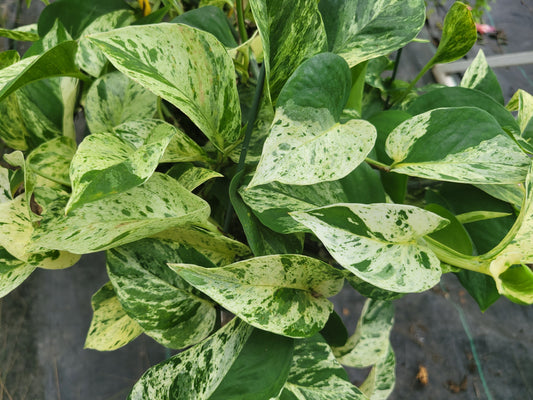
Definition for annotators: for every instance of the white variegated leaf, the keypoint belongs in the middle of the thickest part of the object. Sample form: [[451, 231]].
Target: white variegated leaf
[[315, 374], [13, 132], [283, 294], [459, 144], [382, 377], [12, 272], [190, 177], [5, 191], [89, 57], [185, 66], [195, 373], [513, 193], [379, 243], [159, 204], [111, 328], [51, 159], [165, 306], [368, 345], [114, 99], [522, 102], [480, 76]]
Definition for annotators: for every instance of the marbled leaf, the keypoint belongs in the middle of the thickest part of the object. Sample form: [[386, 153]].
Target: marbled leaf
[[522, 102], [51, 159], [481, 77], [380, 381], [190, 177], [12, 272], [27, 33]]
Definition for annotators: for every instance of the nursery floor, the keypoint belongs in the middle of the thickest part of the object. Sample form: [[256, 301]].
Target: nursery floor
[[439, 334]]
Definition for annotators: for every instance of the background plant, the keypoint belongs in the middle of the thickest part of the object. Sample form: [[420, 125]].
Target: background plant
[[209, 163]]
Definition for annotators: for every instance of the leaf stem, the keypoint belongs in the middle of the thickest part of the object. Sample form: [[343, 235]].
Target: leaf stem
[[393, 77], [452, 257], [247, 137], [240, 20], [379, 165]]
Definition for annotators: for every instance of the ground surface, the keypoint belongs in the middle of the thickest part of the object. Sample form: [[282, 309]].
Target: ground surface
[[43, 323]]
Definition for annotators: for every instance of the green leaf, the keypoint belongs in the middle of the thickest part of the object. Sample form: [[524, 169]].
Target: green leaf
[[166, 307], [22, 34], [16, 159], [111, 328], [481, 287], [195, 373], [360, 30], [105, 164], [159, 204], [369, 344], [464, 97], [434, 145], [190, 177], [114, 99], [517, 284], [316, 374], [210, 19], [58, 61], [379, 243], [355, 99], [89, 57], [454, 235], [306, 144], [380, 381], [56, 35], [458, 35], [369, 290], [51, 159], [272, 203], [13, 132], [523, 103], [335, 332], [8, 57], [290, 35], [481, 77], [185, 66], [12, 272], [260, 370], [283, 294]]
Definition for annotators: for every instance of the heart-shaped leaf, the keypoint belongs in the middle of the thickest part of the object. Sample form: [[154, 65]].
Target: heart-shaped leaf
[[481, 77], [283, 294]]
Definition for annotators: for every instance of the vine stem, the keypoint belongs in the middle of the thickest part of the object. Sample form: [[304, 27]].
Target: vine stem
[[393, 77], [247, 137], [240, 20], [378, 165]]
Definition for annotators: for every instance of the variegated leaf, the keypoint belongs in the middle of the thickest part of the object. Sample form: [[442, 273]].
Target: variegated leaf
[[111, 328], [360, 30], [159, 204], [513, 193], [379, 243], [283, 294], [315, 374], [272, 203], [8, 58], [51, 159], [5, 192], [13, 132], [462, 144], [522, 102], [369, 344], [105, 164], [221, 250], [12, 272], [114, 99], [290, 35], [180, 149], [89, 57], [481, 77], [195, 373], [190, 177], [382, 377], [58, 61], [27, 33], [165, 306], [306, 144], [185, 66]]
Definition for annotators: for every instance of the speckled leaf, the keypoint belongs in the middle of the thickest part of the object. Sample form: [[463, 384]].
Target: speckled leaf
[[195, 373], [369, 290], [22, 34], [370, 342], [379, 243], [12, 272], [51, 160], [89, 57], [111, 328], [481, 77], [165, 306], [380, 381], [13, 132], [159, 204], [316, 375], [58, 61], [114, 99], [460, 144], [221, 250], [290, 35], [16, 159], [190, 177], [283, 294], [105, 164], [306, 144], [185, 66], [359, 30], [458, 34], [5, 192], [8, 58], [272, 203], [522, 102]]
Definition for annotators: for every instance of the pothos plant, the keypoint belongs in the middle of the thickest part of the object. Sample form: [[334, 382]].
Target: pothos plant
[[217, 165]]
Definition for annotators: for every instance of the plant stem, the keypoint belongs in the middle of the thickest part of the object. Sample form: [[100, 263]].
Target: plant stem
[[393, 77], [378, 165], [240, 20], [449, 256], [247, 136]]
